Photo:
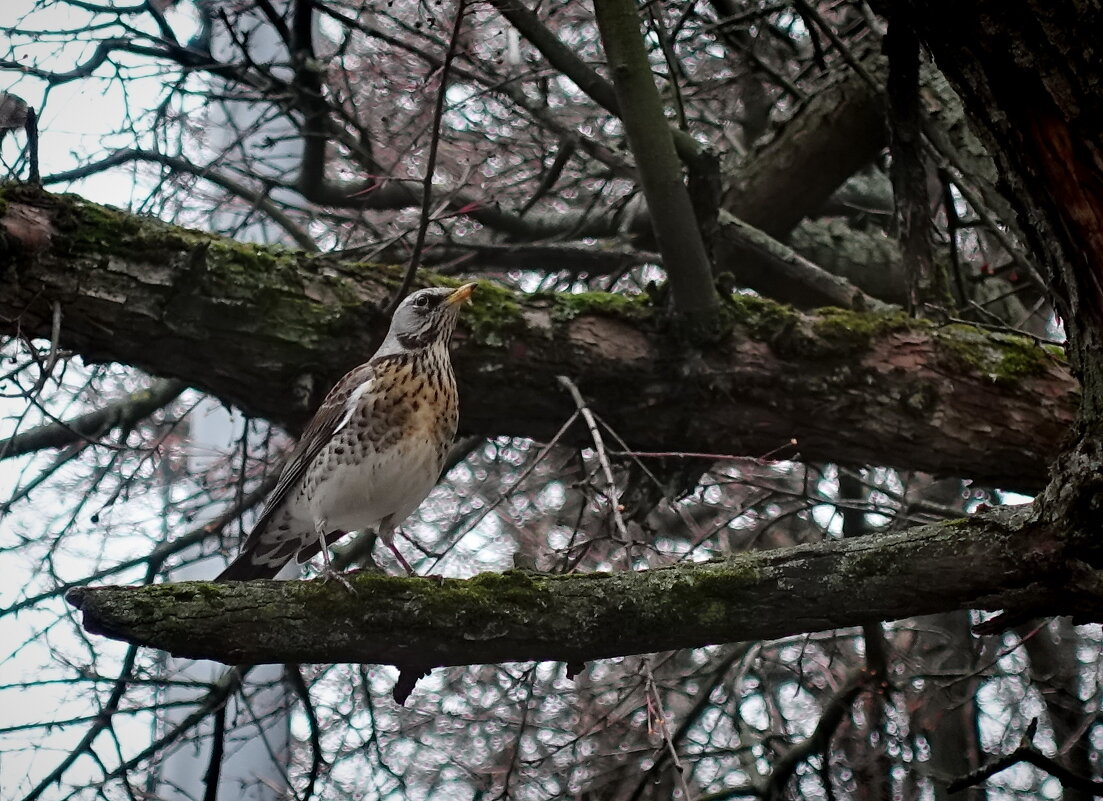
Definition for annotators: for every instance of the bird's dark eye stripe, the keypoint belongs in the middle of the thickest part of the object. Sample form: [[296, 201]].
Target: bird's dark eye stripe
[[423, 301]]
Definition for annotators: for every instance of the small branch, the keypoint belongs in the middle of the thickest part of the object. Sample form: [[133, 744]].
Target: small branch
[[819, 742], [103, 721], [295, 678], [567, 61], [181, 165], [831, 290], [612, 494], [431, 163], [926, 279], [31, 127], [655, 701], [123, 412], [1033, 756], [214, 764]]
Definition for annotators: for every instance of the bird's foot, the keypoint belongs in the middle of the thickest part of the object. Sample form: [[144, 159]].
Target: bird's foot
[[331, 574]]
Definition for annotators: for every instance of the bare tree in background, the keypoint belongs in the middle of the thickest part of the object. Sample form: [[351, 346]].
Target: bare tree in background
[[608, 167]]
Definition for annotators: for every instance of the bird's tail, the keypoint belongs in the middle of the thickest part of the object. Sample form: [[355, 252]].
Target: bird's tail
[[245, 568], [263, 560]]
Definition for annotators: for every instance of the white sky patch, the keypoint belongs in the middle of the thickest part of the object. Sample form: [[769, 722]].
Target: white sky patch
[[79, 121]]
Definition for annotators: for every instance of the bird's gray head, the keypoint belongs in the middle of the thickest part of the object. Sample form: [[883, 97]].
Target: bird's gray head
[[424, 318]]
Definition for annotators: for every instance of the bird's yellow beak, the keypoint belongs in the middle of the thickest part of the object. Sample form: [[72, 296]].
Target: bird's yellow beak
[[461, 294]]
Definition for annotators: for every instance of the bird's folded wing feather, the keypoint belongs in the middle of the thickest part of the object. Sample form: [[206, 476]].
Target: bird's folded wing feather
[[333, 415]]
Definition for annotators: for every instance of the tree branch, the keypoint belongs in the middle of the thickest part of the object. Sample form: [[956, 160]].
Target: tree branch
[[839, 130], [251, 324], [417, 623], [1030, 754], [672, 213], [788, 266], [187, 167], [123, 412], [819, 742], [567, 61]]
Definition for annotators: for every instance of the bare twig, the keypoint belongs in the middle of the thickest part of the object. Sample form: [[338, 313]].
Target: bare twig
[[431, 163], [655, 701], [612, 493], [834, 712], [124, 412], [298, 684], [1031, 755], [103, 721], [508, 490]]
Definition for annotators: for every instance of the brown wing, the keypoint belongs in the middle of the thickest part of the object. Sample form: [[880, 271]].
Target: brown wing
[[332, 415]]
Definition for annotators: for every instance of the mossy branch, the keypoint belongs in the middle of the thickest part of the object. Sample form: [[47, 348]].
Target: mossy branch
[[270, 329], [419, 623]]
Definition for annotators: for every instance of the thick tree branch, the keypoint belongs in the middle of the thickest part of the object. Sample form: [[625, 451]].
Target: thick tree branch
[[1027, 84], [668, 200], [419, 623], [567, 61], [834, 134], [791, 267], [271, 329]]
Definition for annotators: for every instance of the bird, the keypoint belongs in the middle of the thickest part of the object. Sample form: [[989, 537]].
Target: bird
[[373, 450]]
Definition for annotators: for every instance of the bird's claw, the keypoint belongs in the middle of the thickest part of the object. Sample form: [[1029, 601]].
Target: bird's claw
[[330, 574]]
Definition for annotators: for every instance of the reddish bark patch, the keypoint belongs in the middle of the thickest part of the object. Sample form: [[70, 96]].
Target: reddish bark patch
[[1073, 172], [30, 229]]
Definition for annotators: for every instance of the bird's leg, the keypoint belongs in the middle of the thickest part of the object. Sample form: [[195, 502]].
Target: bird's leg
[[328, 572], [386, 533]]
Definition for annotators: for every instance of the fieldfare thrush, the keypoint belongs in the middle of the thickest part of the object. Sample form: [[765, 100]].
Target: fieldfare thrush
[[374, 449]]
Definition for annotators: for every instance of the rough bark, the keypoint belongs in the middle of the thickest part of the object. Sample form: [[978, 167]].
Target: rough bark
[[270, 330], [1029, 82], [839, 130], [999, 562], [926, 278]]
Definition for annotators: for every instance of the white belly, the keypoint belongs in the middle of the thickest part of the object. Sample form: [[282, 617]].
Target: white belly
[[393, 483]]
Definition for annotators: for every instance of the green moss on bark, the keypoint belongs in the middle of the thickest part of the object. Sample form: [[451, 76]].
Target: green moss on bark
[[492, 316], [1002, 358], [568, 306]]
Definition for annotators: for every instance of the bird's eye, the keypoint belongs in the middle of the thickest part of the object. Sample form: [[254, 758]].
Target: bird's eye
[[421, 301]]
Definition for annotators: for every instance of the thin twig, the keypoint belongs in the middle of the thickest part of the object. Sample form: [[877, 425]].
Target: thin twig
[[660, 715], [295, 678], [508, 490], [1028, 753], [431, 166], [820, 740], [52, 357], [103, 721], [612, 493]]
